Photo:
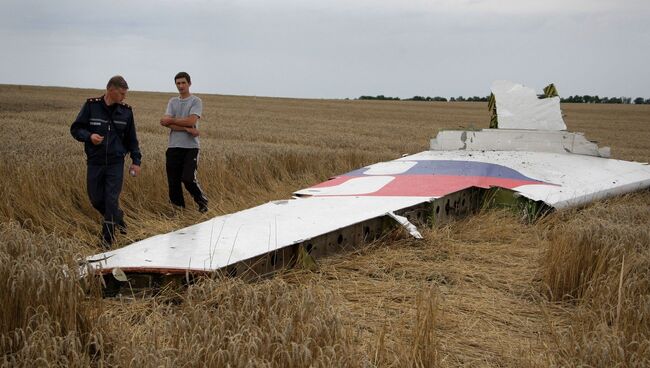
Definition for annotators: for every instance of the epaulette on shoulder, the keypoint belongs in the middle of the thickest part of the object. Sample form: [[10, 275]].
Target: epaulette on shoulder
[[94, 99], [126, 105]]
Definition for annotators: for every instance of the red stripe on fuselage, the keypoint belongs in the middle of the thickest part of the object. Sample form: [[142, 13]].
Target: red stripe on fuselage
[[429, 185], [334, 181]]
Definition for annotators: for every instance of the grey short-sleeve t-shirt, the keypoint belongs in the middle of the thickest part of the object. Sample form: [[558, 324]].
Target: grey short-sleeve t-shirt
[[181, 108]]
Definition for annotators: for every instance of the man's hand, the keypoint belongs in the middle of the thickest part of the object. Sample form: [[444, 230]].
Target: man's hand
[[193, 131], [134, 170], [96, 138], [166, 121]]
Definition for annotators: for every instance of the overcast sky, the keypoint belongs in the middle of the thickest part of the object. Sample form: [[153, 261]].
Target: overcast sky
[[331, 49]]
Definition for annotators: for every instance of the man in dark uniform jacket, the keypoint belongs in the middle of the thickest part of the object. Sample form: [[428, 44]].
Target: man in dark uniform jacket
[[105, 125]]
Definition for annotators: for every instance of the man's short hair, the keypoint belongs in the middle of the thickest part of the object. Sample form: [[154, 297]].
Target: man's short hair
[[118, 82], [183, 75]]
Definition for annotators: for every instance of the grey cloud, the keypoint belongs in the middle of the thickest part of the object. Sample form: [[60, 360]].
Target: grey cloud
[[330, 49]]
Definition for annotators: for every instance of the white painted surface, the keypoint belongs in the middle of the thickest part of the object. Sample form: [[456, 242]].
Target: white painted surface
[[406, 224], [224, 240], [519, 108], [389, 168], [517, 140], [578, 179], [356, 186], [564, 167]]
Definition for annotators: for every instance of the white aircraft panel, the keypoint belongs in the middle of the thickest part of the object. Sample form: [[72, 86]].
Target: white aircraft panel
[[519, 108], [228, 239], [559, 168], [560, 180]]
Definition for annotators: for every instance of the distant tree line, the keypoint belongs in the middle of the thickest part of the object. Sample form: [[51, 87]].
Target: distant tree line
[[470, 99], [426, 99], [378, 97], [570, 99], [605, 100]]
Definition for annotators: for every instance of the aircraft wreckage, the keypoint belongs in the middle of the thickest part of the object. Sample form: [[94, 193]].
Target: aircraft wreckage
[[526, 159]]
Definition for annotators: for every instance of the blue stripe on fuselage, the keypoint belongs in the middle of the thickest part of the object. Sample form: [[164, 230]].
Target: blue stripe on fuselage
[[457, 168]]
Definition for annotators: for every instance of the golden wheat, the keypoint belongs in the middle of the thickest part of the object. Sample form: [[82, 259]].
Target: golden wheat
[[486, 291], [599, 260]]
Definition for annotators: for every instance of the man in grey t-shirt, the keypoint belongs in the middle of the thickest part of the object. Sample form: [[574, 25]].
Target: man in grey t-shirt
[[182, 119]]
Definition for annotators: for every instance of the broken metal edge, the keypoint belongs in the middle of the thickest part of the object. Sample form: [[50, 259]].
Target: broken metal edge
[[517, 140], [433, 212]]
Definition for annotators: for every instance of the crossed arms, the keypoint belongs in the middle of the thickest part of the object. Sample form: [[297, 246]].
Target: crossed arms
[[187, 124]]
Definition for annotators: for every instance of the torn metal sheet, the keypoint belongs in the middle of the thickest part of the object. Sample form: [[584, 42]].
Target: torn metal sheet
[[406, 224], [226, 240], [517, 140], [518, 107], [542, 163], [558, 179]]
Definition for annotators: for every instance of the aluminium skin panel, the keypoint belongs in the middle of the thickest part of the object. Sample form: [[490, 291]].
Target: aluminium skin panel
[[531, 168], [559, 180]]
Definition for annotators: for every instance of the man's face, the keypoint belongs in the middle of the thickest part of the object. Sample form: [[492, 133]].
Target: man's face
[[116, 94], [182, 85]]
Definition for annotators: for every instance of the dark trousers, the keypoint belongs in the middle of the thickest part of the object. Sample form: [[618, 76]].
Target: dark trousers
[[181, 168], [104, 183]]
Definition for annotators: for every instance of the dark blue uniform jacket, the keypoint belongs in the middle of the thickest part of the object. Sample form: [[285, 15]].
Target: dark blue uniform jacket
[[115, 123]]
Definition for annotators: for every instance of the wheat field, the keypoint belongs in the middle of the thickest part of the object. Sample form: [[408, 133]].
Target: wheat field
[[572, 289]]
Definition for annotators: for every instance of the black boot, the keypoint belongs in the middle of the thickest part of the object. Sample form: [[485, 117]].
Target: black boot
[[203, 207], [121, 226], [202, 202]]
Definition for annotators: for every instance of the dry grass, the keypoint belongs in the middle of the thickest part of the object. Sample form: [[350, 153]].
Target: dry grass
[[227, 322], [486, 291], [599, 260], [45, 317]]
